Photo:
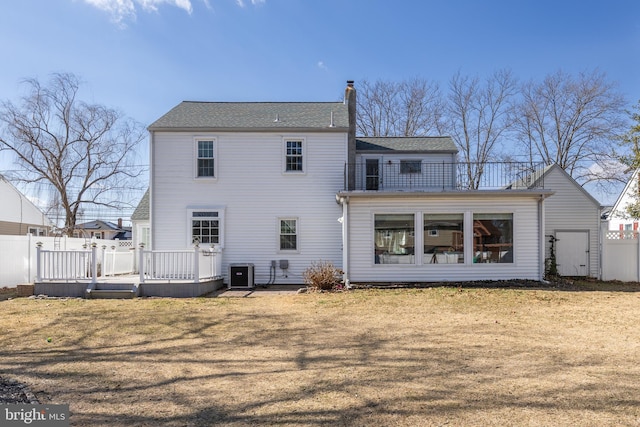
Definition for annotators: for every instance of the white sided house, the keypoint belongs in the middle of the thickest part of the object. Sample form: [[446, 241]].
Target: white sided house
[[19, 216], [278, 186], [140, 224], [618, 218], [256, 180]]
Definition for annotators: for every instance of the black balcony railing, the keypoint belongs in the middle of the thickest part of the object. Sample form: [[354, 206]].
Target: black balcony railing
[[394, 175]]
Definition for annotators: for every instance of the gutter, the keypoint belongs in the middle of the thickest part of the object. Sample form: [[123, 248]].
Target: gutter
[[326, 129], [447, 193], [346, 240]]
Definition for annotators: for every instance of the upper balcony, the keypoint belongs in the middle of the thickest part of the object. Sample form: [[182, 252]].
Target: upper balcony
[[416, 175]]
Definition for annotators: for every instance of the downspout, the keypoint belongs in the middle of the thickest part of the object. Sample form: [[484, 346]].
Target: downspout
[[541, 225], [344, 201], [600, 245]]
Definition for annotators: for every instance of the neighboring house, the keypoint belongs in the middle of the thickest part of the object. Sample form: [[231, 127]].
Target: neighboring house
[[140, 224], [572, 220], [19, 216], [618, 217], [260, 181], [105, 230]]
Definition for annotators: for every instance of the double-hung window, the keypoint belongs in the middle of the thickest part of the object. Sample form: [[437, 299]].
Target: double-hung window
[[288, 233], [205, 158], [294, 155]]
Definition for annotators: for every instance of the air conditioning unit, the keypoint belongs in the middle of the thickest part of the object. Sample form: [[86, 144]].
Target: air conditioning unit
[[241, 276]]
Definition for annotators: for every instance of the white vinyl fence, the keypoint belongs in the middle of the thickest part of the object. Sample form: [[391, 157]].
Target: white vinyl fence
[[118, 258], [621, 256], [62, 257]]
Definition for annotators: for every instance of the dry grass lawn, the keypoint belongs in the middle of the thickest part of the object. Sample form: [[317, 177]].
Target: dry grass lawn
[[411, 357]]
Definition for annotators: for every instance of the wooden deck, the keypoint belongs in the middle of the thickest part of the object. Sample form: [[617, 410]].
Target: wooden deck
[[127, 286]]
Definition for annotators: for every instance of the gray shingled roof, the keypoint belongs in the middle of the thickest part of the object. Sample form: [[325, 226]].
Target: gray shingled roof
[[97, 225], [142, 210], [254, 116], [409, 143]]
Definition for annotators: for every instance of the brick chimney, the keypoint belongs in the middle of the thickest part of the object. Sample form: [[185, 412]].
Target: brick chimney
[[120, 223], [350, 100]]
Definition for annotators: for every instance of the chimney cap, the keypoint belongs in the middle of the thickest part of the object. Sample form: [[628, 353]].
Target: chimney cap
[[350, 83]]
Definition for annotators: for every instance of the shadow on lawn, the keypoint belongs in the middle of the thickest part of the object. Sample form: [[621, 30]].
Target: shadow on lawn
[[194, 368]]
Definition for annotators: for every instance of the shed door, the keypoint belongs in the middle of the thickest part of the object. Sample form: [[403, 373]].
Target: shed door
[[572, 253]]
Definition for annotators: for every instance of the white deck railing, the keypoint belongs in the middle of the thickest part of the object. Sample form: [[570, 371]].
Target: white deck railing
[[85, 265], [186, 265], [58, 265]]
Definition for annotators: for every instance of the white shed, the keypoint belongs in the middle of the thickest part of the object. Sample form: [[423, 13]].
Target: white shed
[[572, 220]]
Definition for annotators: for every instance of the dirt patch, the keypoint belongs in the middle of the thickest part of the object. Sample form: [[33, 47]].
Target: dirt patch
[[406, 357]]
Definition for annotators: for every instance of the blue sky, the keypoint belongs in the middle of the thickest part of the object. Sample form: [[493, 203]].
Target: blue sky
[[156, 53]]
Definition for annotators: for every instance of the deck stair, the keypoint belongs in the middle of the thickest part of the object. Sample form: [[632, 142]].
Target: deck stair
[[112, 291]]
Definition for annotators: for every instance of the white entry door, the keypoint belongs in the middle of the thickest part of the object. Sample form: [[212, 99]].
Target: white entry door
[[572, 253]]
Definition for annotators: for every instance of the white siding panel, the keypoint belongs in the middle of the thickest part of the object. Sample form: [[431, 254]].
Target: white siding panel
[[254, 192], [526, 240], [568, 209], [16, 208]]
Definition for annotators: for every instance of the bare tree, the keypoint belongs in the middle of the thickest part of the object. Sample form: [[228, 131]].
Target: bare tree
[[479, 116], [83, 150], [408, 108], [571, 121]]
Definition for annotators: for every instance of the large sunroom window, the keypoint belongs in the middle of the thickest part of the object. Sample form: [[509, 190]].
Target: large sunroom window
[[394, 237], [493, 238], [443, 238]]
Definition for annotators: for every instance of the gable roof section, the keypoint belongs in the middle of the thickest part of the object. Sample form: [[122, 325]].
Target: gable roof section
[[617, 206], [142, 210], [255, 116], [442, 144], [29, 213], [536, 179]]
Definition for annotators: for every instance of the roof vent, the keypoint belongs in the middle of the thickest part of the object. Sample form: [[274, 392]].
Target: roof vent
[[332, 124], [277, 119]]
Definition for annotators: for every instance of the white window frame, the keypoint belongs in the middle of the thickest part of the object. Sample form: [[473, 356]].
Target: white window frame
[[196, 142], [279, 234], [37, 231], [220, 210], [304, 155]]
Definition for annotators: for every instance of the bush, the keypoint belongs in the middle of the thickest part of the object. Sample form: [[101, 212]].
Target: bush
[[323, 276]]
